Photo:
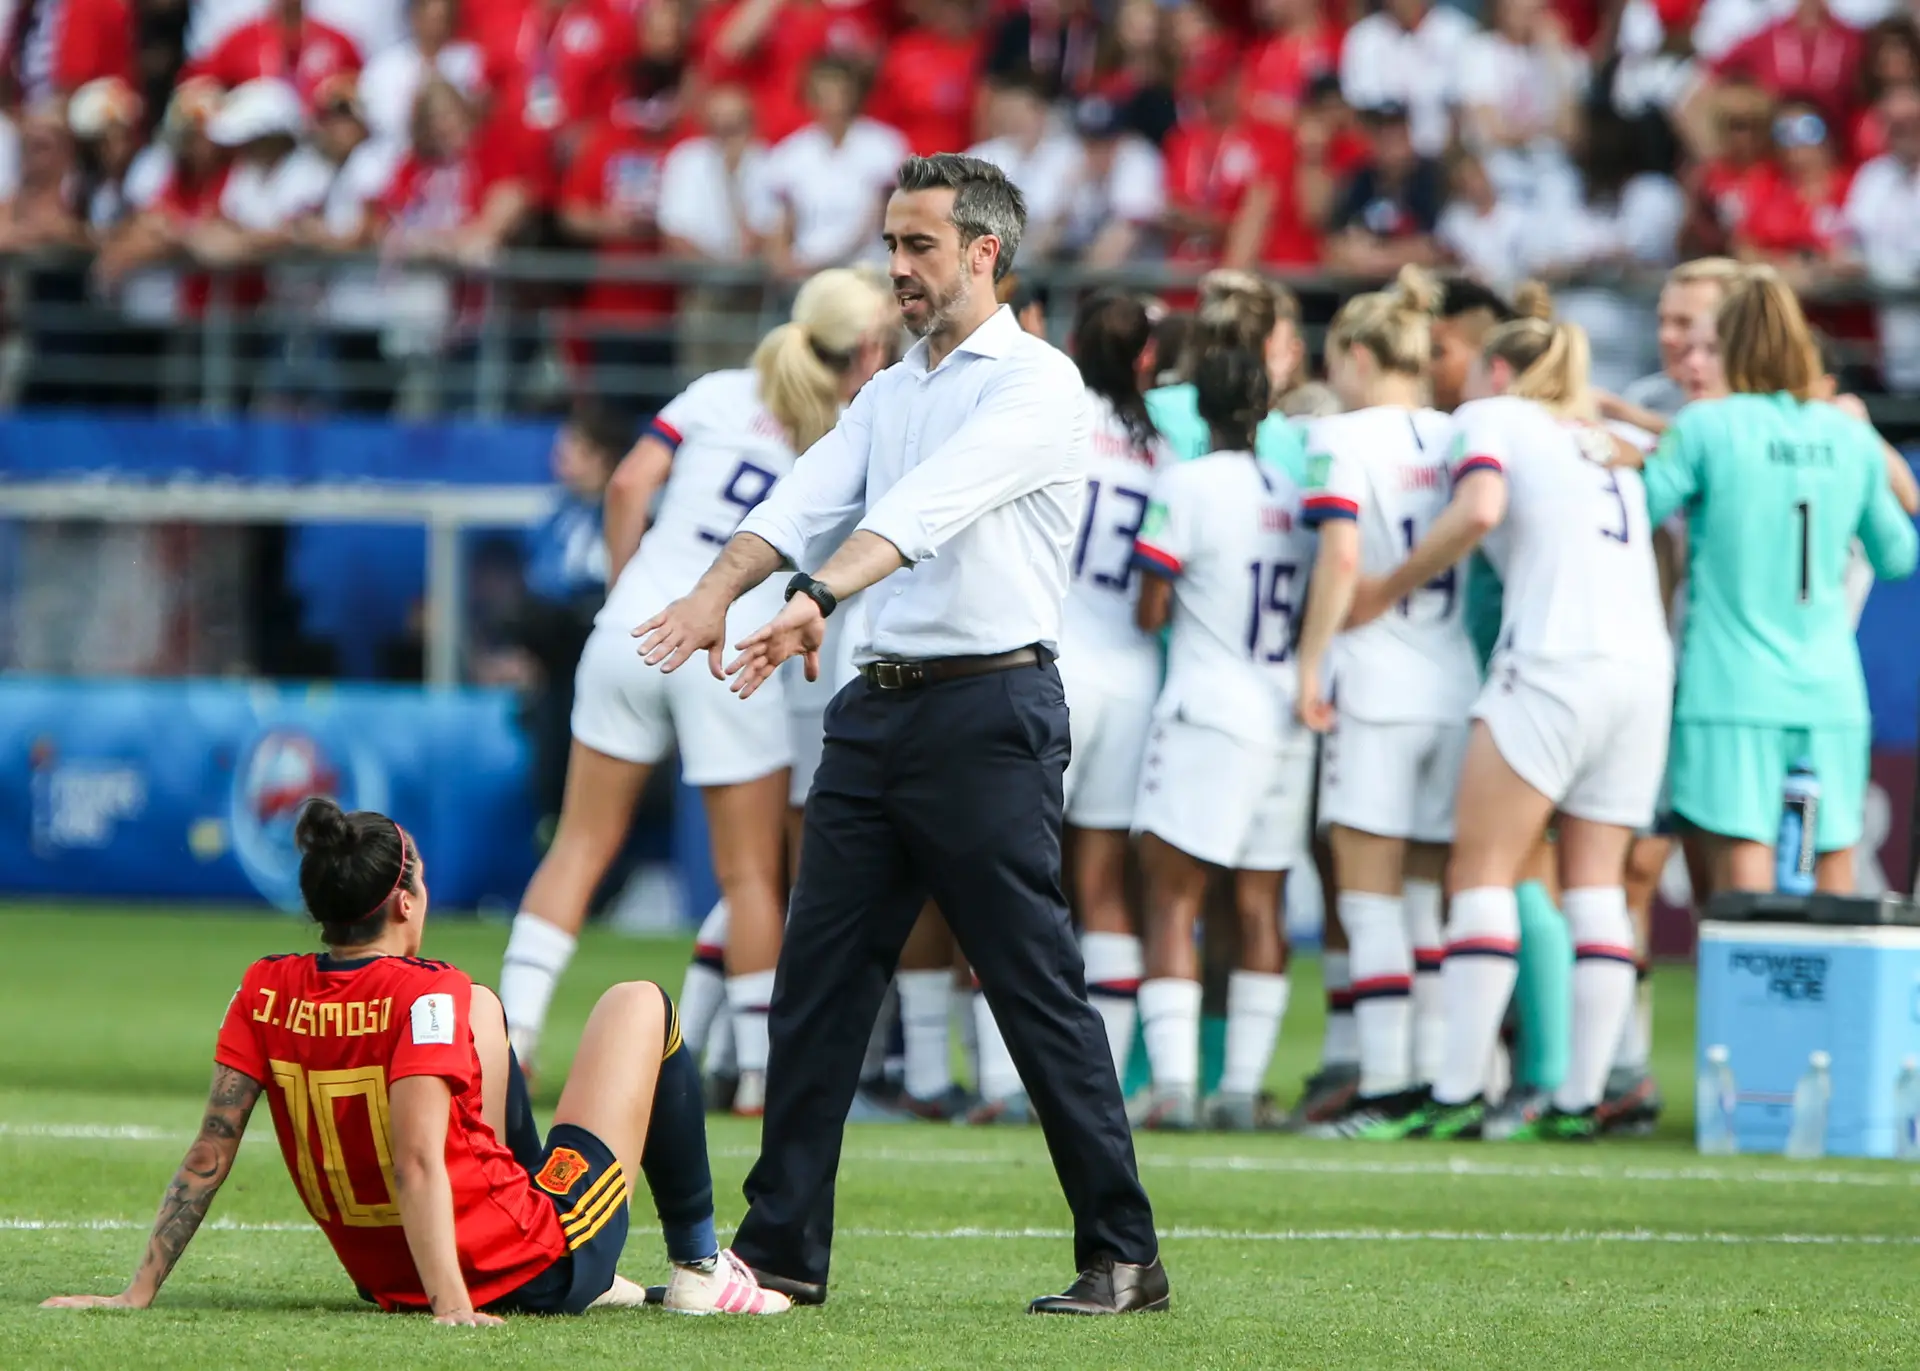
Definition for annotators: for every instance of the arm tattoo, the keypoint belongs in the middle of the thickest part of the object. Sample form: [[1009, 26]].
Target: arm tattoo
[[201, 1173]]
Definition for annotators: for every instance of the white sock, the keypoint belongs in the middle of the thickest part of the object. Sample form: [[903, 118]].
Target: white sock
[[999, 1077], [1603, 981], [1422, 902], [1256, 1002], [874, 1065], [748, 997], [1114, 967], [1636, 1037], [1382, 962], [925, 997], [1483, 939], [1341, 1045], [1170, 1019], [721, 1059], [704, 990], [537, 954], [964, 1024]]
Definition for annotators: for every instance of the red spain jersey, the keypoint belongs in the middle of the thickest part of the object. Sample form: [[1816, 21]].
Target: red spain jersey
[[326, 1038]]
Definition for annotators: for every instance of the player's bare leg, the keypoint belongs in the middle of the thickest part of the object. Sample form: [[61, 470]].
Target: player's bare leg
[[635, 1086], [746, 826], [596, 810], [1170, 995], [1256, 1003], [1833, 872]]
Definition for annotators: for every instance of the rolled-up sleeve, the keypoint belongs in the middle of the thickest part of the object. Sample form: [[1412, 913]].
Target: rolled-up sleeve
[[1028, 431], [825, 489]]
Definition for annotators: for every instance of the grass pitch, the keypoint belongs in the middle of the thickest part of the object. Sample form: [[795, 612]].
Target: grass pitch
[[1282, 1252]]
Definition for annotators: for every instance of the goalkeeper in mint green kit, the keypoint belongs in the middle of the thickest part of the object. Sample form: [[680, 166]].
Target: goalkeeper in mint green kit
[[1776, 487]]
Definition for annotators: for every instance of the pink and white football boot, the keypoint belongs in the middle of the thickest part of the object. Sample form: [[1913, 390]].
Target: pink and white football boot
[[727, 1289]]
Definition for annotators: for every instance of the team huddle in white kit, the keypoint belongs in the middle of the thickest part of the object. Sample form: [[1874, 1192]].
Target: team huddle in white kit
[[1315, 667]]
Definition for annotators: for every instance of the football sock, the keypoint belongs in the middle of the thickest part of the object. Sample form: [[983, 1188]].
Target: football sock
[[748, 997], [537, 954], [873, 1066], [1382, 962], [1170, 1019], [1483, 937], [925, 999], [1423, 905], [965, 1026], [704, 990], [1341, 1044], [721, 1059], [1256, 1002], [675, 1159], [1114, 968], [1603, 982], [1544, 996], [999, 1077], [1636, 1039]]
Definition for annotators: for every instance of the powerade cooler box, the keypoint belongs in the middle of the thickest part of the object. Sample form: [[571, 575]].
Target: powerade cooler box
[[1782, 977]]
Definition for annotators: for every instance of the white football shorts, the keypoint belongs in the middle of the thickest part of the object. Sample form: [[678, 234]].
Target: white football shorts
[[1222, 799], [1397, 780]]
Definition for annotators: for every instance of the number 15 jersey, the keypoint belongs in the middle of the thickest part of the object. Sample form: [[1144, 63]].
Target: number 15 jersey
[[1226, 529], [1386, 469], [326, 1038]]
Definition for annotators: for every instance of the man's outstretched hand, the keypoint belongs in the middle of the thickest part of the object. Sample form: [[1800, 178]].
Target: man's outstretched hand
[[798, 630], [696, 622]]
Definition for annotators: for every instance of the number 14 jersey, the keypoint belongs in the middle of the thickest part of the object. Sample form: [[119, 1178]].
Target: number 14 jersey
[[326, 1038], [1385, 468], [1226, 529]]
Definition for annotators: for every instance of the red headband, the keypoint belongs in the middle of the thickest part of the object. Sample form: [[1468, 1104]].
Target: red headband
[[399, 877]]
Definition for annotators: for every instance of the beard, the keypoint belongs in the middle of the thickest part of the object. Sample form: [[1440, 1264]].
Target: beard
[[942, 308]]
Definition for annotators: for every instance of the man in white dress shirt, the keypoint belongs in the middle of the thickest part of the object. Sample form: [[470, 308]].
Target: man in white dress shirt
[[941, 772]]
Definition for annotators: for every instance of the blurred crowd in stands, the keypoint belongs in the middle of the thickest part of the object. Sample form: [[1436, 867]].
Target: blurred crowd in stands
[[1574, 140]]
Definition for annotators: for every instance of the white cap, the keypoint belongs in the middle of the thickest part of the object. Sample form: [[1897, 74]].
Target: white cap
[[257, 109], [1717, 1054], [99, 104], [1820, 1061]]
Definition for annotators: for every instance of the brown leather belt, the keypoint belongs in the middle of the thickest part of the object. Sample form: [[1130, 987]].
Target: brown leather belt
[[915, 675]]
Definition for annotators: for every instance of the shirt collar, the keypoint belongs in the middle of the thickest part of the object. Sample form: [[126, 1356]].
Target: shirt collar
[[991, 339]]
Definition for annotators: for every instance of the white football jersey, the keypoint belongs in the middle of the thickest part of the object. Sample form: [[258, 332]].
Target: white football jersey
[[1386, 469], [1574, 552], [1098, 617], [728, 453], [1227, 530]]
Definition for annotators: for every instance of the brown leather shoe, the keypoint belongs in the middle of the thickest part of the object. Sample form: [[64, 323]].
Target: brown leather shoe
[[1111, 1287]]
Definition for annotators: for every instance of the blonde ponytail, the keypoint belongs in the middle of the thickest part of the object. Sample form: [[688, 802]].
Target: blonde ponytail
[[1395, 325], [800, 364], [1552, 361]]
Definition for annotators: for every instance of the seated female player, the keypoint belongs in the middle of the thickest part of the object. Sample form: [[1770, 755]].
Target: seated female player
[[391, 1087]]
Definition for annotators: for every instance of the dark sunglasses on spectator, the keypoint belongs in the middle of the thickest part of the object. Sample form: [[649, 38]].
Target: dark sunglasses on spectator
[[1805, 130], [1743, 123]]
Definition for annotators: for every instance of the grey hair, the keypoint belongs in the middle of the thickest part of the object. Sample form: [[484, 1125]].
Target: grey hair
[[984, 200]]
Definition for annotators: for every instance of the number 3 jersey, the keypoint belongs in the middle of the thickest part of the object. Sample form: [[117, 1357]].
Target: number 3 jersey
[[1227, 531], [1386, 469], [728, 454], [1575, 550], [326, 1038]]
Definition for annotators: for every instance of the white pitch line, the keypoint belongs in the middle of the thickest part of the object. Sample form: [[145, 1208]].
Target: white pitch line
[[1458, 1167], [1570, 1237]]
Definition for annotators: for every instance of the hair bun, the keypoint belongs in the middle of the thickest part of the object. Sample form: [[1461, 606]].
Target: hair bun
[[1417, 290], [1532, 300], [323, 829]]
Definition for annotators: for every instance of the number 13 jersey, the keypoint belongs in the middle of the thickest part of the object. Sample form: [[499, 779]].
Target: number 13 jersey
[[1385, 468], [326, 1038], [1227, 530]]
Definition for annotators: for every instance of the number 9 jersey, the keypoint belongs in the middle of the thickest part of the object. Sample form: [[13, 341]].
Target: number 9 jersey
[[728, 454], [326, 1037], [1228, 773]]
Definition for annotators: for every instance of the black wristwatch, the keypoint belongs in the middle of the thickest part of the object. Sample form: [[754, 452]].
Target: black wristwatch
[[803, 584]]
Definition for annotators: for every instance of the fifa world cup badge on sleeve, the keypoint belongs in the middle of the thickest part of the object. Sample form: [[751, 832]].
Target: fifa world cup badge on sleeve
[[433, 1019], [562, 1172], [1155, 521], [1319, 467]]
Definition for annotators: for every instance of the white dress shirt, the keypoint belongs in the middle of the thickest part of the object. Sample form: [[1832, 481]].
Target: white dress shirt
[[975, 471]]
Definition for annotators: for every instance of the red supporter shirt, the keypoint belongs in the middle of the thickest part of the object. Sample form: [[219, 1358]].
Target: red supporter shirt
[[1735, 191], [1784, 220], [1209, 171], [774, 69], [1291, 241], [1820, 66], [186, 200], [264, 49], [619, 168], [68, 43], [1283, 66], [326, 1039], [439, 196], [553, 68], [925, 89]]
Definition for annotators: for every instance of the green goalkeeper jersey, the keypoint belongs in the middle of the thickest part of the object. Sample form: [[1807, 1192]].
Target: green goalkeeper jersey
[[1775, 490], [1175, 411]]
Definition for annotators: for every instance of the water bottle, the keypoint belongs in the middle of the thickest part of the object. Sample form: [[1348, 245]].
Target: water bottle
[[1906, 1112], [1807, 1138], [1714, 1103], [1794, 854]]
